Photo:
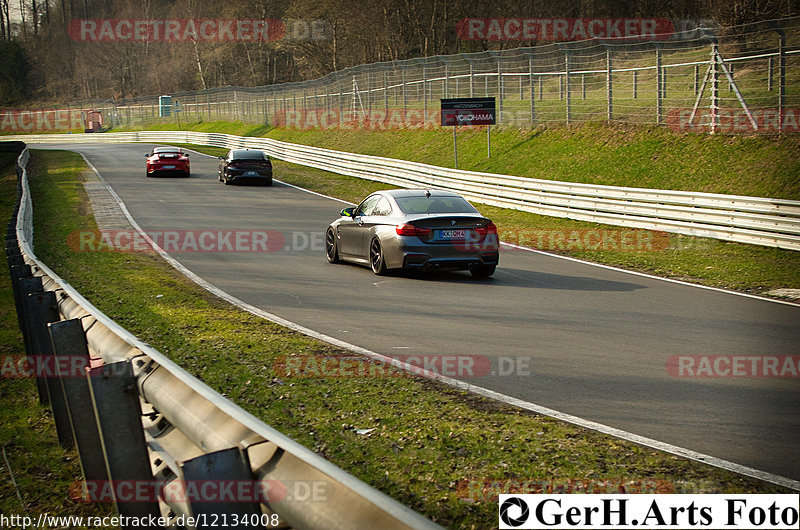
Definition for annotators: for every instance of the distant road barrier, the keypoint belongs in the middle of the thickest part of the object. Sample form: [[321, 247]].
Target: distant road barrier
[[155, 440], [754, 220]]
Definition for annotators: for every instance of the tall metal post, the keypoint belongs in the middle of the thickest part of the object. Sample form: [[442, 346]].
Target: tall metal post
[[609, 90], [770, 70], [781, 78], [714, 74], [567, 87], [386, 93], [424, 94], [533, 95], [499, 89], [405, 102], [658, 86], [471, 80], [455, 146]]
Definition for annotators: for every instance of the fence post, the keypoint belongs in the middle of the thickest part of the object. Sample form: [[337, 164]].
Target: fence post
[[635, 84], [714, 73], [424, 92], [118, 412], [405, 101], [69, 341], [386, 93], [770, 69], [609, 90], [659, 73], [471, 80], [781, 78], [566, 85], [533, 94], [499, 90]]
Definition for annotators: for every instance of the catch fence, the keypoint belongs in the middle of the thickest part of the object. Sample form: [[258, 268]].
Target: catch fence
[[734, 79]]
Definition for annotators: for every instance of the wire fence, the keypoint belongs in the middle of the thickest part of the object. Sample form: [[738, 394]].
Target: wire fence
[[739, 79]]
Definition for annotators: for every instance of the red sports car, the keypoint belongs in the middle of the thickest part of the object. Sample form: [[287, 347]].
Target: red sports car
[[167, 161]]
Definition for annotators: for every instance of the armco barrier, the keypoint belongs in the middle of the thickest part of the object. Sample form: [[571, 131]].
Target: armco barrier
[[146, 430], [755, 220]]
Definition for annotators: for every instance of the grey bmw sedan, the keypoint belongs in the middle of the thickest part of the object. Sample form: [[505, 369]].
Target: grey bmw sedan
[[408, 229]]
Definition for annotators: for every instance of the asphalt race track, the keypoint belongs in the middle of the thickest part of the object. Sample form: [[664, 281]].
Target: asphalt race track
[[585, 340]]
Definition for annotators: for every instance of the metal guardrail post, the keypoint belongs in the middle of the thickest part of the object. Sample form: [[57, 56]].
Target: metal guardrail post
[[69, 343], [225, 466], [42, 309], [27, 285], [118, 413], [18, 272]]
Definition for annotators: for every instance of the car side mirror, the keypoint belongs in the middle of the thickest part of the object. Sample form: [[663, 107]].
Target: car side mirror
[[147, 155], [221, 157], [348, 212], [185, 154]]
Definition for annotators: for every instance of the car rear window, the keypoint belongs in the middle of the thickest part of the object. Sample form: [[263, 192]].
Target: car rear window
[[433, 204], [250, 155]]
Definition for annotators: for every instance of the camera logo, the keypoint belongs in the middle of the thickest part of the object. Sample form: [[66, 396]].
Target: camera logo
[[520, 505]]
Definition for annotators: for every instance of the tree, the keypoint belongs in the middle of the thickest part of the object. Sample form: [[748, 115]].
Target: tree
[[14, 67]]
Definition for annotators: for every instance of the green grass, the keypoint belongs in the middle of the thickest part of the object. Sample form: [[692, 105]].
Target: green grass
[[431, 447], [43, 471]]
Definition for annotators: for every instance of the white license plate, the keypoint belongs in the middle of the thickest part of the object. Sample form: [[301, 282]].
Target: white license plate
[[452, 234], [167, 167], [252, 174]]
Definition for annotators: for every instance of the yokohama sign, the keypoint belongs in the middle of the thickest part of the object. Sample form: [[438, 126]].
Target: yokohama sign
[[564, 29]]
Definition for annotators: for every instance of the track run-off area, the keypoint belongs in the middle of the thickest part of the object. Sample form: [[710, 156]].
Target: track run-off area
[[621, 349]]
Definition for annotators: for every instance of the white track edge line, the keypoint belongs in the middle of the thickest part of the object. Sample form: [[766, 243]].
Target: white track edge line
[[533, 407]]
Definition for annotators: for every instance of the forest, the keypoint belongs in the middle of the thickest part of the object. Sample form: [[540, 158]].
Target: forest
[[75, 50]]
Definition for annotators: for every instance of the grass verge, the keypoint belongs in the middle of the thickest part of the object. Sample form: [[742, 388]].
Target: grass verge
[[431, 447], [42, 470]]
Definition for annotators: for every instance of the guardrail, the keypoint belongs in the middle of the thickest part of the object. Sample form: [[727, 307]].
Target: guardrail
[[754, 220], [157, 441]]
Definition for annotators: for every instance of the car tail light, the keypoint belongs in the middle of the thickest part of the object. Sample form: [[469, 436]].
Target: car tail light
[[484, 231], [411, 230]]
